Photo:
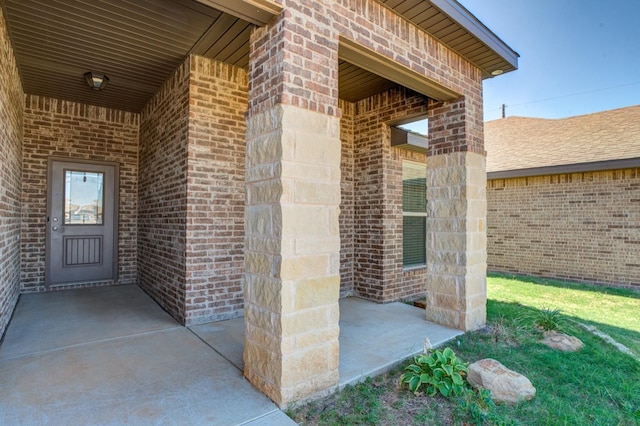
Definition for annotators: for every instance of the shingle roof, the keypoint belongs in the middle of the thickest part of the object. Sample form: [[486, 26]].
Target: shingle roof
[[515, 143]]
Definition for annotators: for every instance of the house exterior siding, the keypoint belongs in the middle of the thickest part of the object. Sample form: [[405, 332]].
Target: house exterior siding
[[378, 265], [576, 226], [292, 203], [347, 200], [259, 191], [53, 127], [11, 133], [192, 192], [162, 195], [215, 191]]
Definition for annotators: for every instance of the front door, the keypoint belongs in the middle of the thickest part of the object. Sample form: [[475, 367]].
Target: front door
[[81, 222]]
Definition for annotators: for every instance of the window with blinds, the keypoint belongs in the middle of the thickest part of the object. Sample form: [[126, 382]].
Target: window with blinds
[[414, 214]]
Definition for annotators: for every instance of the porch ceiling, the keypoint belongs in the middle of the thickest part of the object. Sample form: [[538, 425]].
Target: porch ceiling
[[138, 44]]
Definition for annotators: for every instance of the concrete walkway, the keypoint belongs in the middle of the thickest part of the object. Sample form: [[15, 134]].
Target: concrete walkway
[[112, 356]]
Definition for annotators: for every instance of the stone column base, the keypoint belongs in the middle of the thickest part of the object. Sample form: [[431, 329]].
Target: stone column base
[[292, 253], [456, 240]]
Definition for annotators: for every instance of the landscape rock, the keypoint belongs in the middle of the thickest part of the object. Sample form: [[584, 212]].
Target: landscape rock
[[506, 386], [562, 342]]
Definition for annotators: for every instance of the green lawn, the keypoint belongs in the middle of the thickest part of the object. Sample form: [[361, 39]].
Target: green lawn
[[598, 385], [615, 312]]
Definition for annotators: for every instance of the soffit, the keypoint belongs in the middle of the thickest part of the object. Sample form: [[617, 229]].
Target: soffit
[[355, 83], [456, 27], [139, 44]]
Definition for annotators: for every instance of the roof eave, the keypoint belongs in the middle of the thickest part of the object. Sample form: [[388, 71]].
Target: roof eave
[[467, 20], [594, 166]]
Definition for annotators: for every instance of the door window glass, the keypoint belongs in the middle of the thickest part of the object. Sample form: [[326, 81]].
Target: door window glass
[[83, 197]]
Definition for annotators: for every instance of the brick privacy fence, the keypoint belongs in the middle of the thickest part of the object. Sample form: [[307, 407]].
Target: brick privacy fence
[[578, 226], [11, 111]]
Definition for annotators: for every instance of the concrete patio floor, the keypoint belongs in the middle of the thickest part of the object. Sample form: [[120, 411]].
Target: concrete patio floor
[[111, 356]]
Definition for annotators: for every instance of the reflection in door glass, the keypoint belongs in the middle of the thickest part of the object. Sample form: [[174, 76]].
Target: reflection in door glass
[[83, 192]]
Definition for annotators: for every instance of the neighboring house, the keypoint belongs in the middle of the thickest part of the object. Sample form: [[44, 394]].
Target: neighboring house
[[240, 155], [563, 197]]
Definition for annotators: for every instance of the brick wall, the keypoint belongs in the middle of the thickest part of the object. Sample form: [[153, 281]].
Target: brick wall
[[54, 127], [294, 61], [347, 202], [162, 194], [191, 229], [11, 110], [578, 226], [456, 126], [378, 272], [311, 30], [215, 191]]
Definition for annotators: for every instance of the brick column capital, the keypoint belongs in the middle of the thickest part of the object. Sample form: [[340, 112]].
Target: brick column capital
[[456, 126], [294, 61]]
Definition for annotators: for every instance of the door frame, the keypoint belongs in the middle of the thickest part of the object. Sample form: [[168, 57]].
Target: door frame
[[116, 214]]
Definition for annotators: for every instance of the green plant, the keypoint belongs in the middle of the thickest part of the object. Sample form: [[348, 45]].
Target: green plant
[[440, 371], [477, 405], [548, 319]]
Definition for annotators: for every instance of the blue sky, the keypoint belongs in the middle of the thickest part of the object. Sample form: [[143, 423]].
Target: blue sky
[[576, 56]]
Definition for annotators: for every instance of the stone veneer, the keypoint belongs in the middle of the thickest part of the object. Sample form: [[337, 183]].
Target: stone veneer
[[292, 261], [53, 127], [292, 246], [11, 133], [192, 192], [456, 240], [576, 226]]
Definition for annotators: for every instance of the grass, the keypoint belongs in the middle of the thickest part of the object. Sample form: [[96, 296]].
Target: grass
[[598, 385], [615, 312]]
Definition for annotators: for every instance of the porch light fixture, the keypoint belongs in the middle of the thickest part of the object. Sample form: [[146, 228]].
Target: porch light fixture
[[96, 80], [496, 72]]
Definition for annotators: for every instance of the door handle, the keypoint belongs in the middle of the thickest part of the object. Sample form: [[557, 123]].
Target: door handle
[[54, 228]]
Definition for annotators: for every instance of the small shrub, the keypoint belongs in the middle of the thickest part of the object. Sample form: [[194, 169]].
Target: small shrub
[[477, 405], [439, 372], [548, 319]]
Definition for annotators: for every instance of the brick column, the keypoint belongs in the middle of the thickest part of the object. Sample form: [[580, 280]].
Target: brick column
[[456, 222], [292, 243]]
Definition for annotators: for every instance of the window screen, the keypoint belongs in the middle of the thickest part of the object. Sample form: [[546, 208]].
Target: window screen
[[414, 221]]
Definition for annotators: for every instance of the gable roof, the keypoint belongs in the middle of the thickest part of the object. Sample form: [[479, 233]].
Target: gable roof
[[570, 144]]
